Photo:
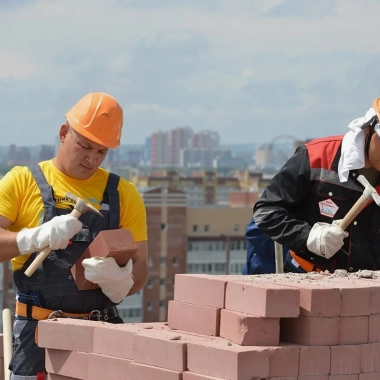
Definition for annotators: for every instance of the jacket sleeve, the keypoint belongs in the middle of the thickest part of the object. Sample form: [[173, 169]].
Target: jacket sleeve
[[275, 211]]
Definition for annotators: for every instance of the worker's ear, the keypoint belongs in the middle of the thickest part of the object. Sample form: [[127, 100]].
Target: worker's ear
[[63, 132]]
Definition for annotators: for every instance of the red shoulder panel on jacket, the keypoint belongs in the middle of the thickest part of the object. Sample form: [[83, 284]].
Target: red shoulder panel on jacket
[[322, 151]]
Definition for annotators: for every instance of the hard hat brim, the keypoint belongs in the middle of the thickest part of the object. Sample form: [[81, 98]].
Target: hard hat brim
[[85, 133]]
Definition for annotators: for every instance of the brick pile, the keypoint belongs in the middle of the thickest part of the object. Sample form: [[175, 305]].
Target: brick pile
[[269, 327]]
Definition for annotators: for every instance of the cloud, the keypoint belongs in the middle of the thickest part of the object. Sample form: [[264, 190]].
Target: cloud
[[249, 68], [149, 4], [301, 8], [17, 66], [170, 112]]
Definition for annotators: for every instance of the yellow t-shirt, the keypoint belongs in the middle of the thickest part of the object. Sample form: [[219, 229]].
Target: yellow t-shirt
[[21, 200]]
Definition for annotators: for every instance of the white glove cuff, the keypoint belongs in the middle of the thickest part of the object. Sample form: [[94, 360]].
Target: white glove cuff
[[24, 243]]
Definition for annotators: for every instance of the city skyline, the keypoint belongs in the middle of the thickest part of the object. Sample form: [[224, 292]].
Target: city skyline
[[248, 69]]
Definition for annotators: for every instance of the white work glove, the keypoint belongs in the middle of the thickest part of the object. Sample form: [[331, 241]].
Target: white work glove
[[325, 239], [114, 281], [56, 234]]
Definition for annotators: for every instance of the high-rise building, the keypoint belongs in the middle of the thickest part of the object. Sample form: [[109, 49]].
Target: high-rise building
[[45, 152], [180, 138], [209, 140], [197, 158], [166, 219], [160, 148], [181, 147], [18, 155], [147, 149]]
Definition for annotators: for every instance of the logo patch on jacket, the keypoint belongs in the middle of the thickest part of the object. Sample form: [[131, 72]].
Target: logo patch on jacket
[[328, 208]]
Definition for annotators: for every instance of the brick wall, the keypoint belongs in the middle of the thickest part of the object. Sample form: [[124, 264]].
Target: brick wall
[[269, 327]]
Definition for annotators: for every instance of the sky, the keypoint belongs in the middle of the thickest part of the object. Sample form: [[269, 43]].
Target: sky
[[253, 70]]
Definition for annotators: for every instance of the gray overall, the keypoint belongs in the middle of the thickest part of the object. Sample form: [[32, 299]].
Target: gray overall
[[52, 285]]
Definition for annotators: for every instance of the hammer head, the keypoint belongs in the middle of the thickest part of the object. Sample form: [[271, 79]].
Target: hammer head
[[81, 205], [369, 191]]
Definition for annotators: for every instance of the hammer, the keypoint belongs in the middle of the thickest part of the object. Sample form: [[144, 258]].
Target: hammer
[[369, 194], [80, 208]]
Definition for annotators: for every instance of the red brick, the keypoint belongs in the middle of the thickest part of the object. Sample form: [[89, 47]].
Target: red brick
[[374, 328], [321, 377], [117, 339], [101, 367], [262, 299], [310, 331], [67, 334], [354, 330], [369, 376], [345, 360], [344, 377], [370, 357], [196, 376], [356, 297], [198, 289], [319, 302], [118, 244], [164, 349], [249, 330], [145, 372], [317, 298], [373, 285], [374, 304], [53, 376], [193, 318], [284, 361], [219, 358], [67, 363], [314, 361]]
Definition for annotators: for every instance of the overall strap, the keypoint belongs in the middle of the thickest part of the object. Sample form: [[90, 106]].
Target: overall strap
[[45, 189], [111, 196]]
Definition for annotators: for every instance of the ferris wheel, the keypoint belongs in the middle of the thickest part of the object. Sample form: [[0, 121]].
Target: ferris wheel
[[282, 148]]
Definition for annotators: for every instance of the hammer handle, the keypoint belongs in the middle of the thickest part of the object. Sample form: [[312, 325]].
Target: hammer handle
[[45, 252], [352, 214], [7, 341]]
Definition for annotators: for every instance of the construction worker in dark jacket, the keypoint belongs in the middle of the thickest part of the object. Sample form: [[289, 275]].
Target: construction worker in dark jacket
[[302, 206]]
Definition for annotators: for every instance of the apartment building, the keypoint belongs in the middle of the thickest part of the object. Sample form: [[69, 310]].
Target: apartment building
[[186, 239], [166, 219], [215, 239], [202, 187]]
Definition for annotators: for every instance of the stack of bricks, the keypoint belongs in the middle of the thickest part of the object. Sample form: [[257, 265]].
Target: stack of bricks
[[269, 327]]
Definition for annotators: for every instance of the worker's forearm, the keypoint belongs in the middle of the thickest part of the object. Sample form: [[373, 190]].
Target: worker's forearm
[[139, 276], [283, 227], [8, 245]]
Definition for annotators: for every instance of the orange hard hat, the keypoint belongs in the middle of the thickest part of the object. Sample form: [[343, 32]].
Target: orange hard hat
[[376, 107], [98, 117]]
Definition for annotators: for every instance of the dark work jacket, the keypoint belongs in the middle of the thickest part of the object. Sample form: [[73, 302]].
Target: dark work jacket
[[290, 205], [53, 279]]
